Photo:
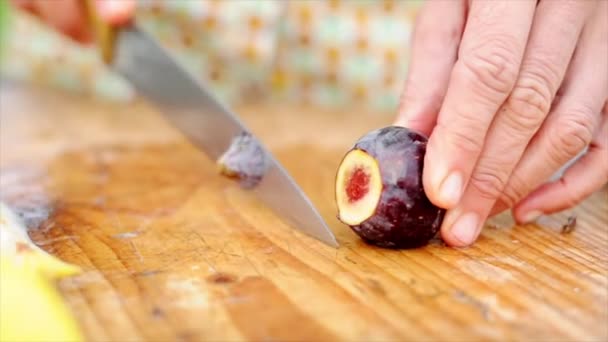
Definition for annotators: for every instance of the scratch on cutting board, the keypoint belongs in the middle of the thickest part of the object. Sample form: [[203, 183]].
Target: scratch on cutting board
[[268, 250], [492, 302], [350, 260], [207, 261], [202, 254], [146, 273], [82, 280], [117, 220], [223, 252], [233, 300], [511, 261], [465, 298], [126, 235], [257, 271], [136, 251], [424, 290], [57, 239], [487, 305], [131, 234], [484, 271], [275, 266]]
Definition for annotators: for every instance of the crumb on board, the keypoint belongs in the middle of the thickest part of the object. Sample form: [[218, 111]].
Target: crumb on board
[[158, 312], [483, 308], [570, 225], [222, 278], [126, 235]]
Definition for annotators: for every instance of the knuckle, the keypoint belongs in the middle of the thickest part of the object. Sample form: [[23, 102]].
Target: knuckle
[[573, 132], [463, 139], [489, 184], [493, 67], [515, 190], [527, 107], [530, 101], [542, 69]]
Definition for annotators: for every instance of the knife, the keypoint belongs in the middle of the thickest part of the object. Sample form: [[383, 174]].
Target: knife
[[193, 110]]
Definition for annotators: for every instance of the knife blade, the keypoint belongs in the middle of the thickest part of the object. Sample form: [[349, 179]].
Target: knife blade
[[208, 124]]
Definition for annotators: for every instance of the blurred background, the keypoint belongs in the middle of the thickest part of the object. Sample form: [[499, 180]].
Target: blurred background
[[334, 53]]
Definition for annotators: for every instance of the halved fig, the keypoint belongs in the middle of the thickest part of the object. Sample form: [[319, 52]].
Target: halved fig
[[359, 187], [379, 191]]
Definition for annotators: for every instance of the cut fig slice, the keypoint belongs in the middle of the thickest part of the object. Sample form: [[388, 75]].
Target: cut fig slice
[[245, 161]]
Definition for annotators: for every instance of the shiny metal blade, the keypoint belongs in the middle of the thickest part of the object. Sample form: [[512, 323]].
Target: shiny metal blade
[[281, 194], [209, 125]]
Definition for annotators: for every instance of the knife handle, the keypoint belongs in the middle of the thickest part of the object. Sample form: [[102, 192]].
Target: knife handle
[[105, 34]]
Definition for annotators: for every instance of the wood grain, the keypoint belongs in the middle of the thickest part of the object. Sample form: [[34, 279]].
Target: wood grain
[[174, 252]]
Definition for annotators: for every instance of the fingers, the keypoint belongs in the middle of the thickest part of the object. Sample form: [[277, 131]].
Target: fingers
[[578, 182], [553, 38], [68, 16], [489, 58], [570, 126], [434, 53], [26, 5], [65, 16], [116, 12]]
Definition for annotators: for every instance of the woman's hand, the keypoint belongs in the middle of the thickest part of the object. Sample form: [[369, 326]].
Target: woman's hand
[[68, 16], [509, 92]]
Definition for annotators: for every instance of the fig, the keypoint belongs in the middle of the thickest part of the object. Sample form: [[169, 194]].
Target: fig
[[379, 191], [244, 161]]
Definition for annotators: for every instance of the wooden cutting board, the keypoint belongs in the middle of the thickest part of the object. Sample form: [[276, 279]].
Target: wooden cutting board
[[171, 251]]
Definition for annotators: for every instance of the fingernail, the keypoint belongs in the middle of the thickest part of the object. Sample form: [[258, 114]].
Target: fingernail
[[531, 216], [465, 228], [451, 189], [114, 9], [400, 121], [109, 6]]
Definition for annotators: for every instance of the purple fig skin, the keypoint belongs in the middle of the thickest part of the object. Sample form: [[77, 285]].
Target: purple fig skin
[[244, 160], [404, 216]]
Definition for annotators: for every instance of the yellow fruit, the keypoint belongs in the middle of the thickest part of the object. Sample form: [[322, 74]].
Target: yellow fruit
[[31, 308]]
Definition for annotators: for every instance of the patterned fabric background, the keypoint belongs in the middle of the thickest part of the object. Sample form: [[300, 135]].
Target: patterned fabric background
[[322, 52]]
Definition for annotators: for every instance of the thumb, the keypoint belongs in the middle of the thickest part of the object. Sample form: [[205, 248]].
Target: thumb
[[116, 12]]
